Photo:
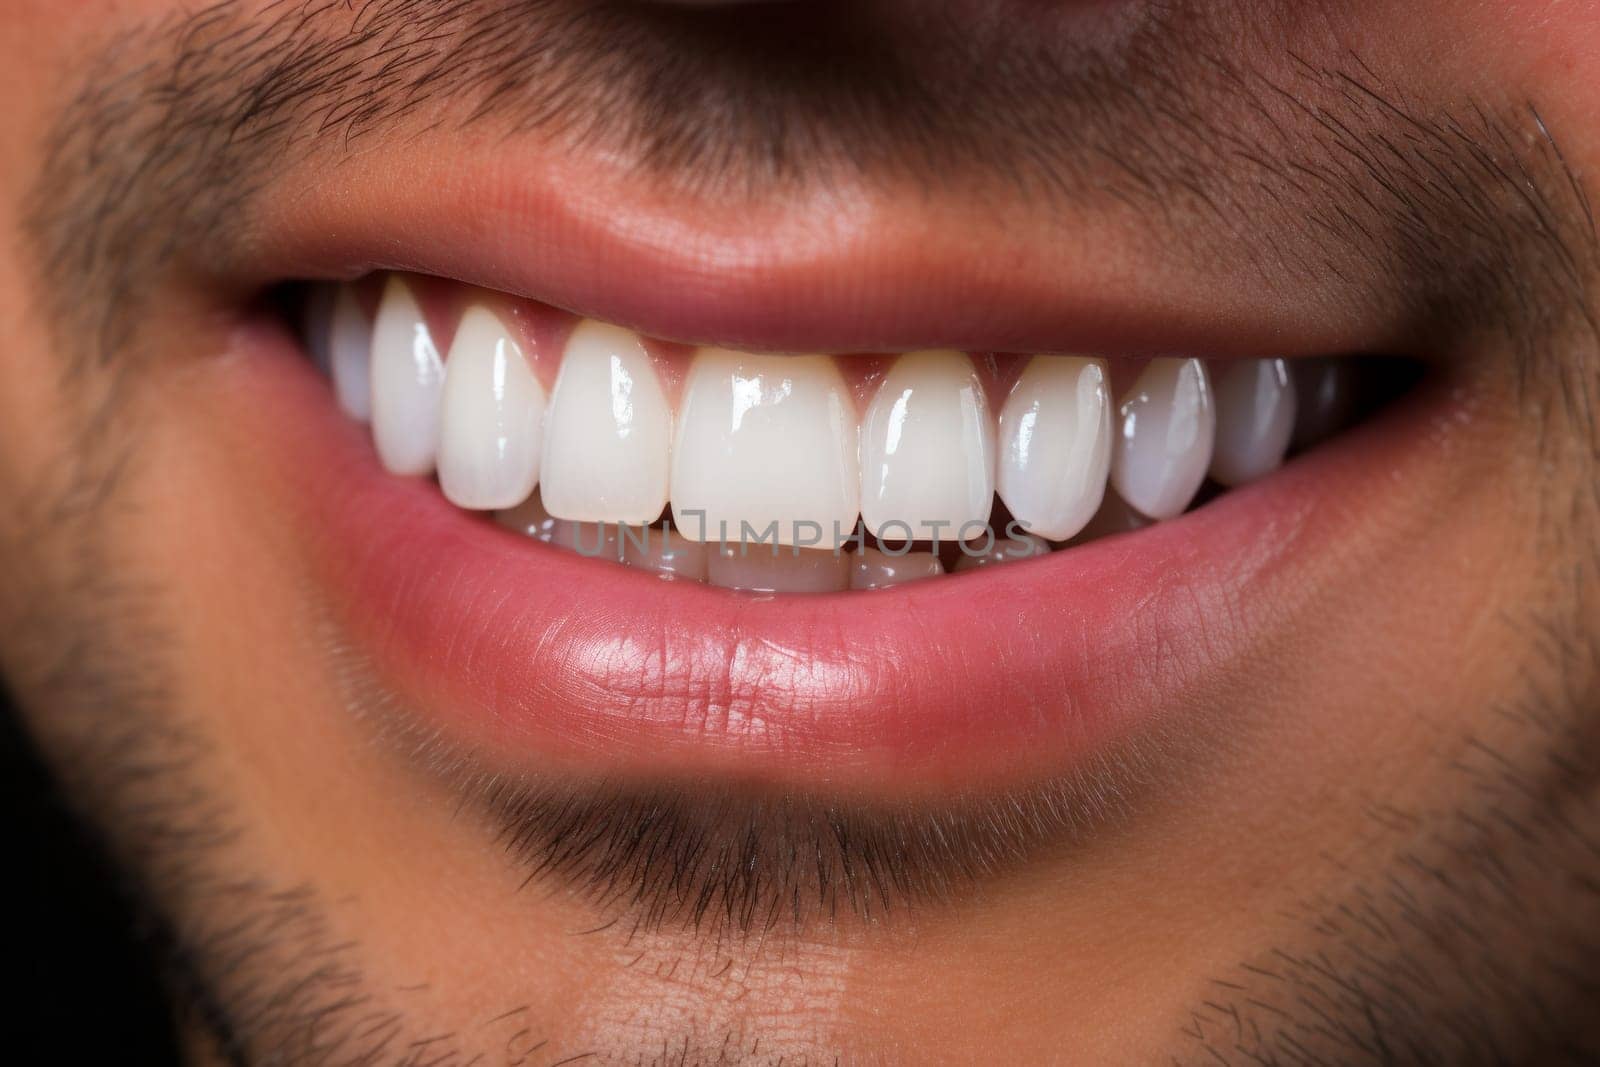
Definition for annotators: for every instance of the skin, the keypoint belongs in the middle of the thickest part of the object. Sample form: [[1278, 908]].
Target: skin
[[1391, 853]]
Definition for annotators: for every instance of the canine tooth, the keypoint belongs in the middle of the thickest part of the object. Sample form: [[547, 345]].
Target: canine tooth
[[875, 569], [492, 410], [350, 355], [774, 569], [407, 380], [1055, 445], [609, 431], [765, 443], [928, 450], [1255, 416], [530, 519], [1167, 426], [669, 554], [1006, 549]]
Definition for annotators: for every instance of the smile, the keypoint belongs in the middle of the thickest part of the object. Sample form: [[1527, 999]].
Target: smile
[[793, 474], [567, 545]]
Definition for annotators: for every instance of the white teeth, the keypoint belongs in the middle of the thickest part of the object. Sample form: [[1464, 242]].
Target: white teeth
[[765, 442], [1006, 549], [350, 355], [610, 431], [1164, 445], [669, 554], [407, 380], [1255, 416], [492, 409], [764, 455], [875, 569], [928, 450], [1055, 445], [771, 569]]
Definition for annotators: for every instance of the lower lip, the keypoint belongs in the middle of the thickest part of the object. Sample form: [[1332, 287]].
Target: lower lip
[[532, 658]]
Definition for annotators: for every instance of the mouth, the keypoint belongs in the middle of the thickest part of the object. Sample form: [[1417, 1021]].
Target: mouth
[[569, 547], [840, 482], [790, 474]]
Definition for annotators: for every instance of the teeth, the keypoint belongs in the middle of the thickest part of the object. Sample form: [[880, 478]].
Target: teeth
[[875, 569], [1055, 445], [771, 569], [1165, 441], [764, 442], [928, 450], [407, 380], [763, 462], [1255, 416], [350, 355], [669, 554], [1004, 550], [610, 431], [492, 409]]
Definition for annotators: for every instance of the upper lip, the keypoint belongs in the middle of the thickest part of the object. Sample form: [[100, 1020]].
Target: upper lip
[[526, 657], [843, 268]]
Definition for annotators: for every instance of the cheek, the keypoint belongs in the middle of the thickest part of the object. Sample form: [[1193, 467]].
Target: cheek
[[1546, 54], [1545, 51], [1504, 54]]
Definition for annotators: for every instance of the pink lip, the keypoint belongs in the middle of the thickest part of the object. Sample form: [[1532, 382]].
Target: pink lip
[[531, 657]]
